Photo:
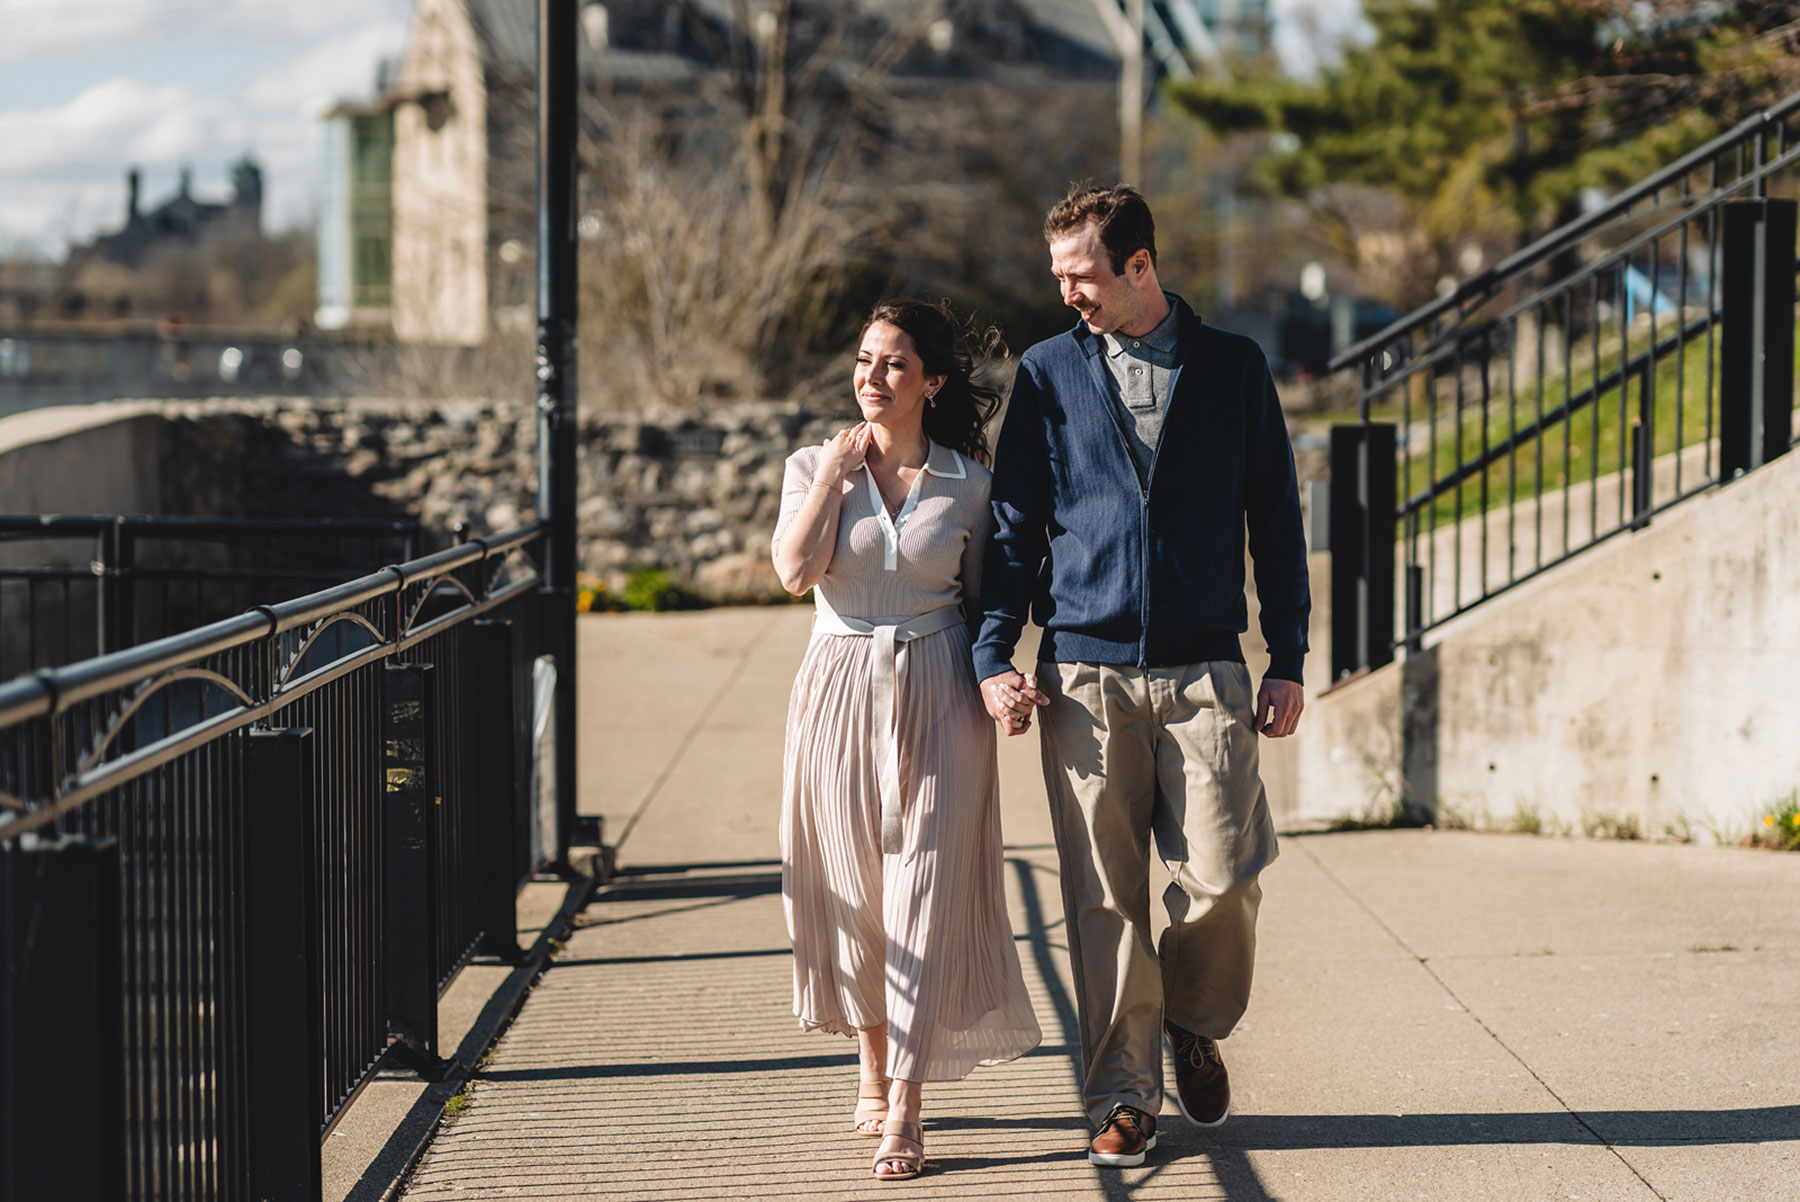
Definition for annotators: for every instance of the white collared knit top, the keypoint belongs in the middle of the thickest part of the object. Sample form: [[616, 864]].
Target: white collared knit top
[[924, 558]]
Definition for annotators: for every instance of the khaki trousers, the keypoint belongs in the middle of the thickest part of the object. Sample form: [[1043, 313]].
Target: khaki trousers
[[1172, 752]]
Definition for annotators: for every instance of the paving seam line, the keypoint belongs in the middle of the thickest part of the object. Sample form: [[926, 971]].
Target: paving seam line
[[1431, 972], [425, 1118], [693, 731]]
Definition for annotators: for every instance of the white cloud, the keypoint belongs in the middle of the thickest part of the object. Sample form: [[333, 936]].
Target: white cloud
[[38, 28], [62, 176], [116, 121], [288, 101], [60, 28], [43, 219], [340, 69]]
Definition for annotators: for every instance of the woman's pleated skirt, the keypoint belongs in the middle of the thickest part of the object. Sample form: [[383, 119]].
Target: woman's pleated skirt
[[918, 939]]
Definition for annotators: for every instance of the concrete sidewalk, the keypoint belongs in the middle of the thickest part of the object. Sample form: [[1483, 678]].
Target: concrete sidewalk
[[1436, 1016]]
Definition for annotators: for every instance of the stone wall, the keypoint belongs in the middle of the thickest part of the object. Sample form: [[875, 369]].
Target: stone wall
[[694, 495], [696, 498]]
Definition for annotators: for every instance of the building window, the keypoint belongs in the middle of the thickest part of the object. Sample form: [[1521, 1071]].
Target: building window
[[372, 271], [372, 151]]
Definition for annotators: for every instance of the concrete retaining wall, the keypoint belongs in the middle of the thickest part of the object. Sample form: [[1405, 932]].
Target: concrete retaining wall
[[1649, 682], [86, 459]]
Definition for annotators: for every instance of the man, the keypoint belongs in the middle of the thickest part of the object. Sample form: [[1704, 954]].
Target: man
[[1137, 450]]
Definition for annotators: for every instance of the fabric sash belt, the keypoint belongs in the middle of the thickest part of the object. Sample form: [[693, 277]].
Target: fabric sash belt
[[888, 635]]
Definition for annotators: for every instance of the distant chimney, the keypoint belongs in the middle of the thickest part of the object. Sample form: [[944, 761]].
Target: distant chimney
[[131, 196], [247, 188], [187, 178]]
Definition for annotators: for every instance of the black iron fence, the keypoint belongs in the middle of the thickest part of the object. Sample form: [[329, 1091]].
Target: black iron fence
[[1618, 365], [73, 587], [239, 865]]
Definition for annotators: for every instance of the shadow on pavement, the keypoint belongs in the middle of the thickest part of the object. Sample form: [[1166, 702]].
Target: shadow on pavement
[[674, 957], [666, 1068], [1288, 1132], [1230, 1165], [647, 888], [694, 866]]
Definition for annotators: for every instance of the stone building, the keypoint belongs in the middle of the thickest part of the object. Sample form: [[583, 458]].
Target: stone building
[[456, 222], [183, 218]]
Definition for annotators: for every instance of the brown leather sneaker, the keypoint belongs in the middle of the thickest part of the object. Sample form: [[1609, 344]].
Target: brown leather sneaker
[[1202, 1089], [1123, 1138]]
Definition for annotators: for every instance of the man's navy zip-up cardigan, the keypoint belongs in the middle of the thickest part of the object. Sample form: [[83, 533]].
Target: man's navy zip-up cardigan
[[1152, 574]]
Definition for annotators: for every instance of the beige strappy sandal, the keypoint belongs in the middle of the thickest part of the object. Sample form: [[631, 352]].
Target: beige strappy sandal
[[910, 1162], [867, 1092]]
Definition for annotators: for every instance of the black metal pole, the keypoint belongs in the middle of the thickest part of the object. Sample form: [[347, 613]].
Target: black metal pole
[[62, 1022], [282, 996], [556, 395], [1756, 342], [410, 890], [494, 659], [1349, 564], [1375, 495], [1363, 523]]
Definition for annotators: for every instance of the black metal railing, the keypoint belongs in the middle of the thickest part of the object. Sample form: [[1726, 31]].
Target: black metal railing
[[73, 587], [238, 866], [1616, 366]]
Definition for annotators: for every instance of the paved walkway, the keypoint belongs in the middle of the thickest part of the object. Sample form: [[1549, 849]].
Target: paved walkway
[[1437, 1015]]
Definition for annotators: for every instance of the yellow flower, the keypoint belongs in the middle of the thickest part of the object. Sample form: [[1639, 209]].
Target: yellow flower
[[1795, 820], [1768, 820]]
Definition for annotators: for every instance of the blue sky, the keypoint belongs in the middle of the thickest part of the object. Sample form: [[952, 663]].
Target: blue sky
[[89, 87]]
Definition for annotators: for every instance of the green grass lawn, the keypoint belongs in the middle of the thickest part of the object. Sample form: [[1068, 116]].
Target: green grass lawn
[[1594, 436]]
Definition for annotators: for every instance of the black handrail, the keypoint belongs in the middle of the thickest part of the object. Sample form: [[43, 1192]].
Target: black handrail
[[23, 699], [1558, 239], [1692, 269], [54, 691]]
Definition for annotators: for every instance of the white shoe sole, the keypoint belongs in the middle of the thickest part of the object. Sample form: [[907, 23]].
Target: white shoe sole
[[1218, 1122], [1119, 1160]]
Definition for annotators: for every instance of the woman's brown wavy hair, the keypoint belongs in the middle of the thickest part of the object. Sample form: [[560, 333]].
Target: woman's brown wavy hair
[[958, 415]]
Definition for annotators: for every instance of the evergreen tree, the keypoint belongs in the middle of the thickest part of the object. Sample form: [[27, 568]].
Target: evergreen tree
[[1486, 118]]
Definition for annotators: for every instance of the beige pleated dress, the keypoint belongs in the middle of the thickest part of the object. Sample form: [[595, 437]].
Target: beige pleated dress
[[888, 746]]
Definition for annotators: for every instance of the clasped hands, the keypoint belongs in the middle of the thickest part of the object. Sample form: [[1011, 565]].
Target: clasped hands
[[1010, 696]]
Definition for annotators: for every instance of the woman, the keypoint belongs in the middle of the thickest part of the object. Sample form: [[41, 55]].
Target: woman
[[890, 823]]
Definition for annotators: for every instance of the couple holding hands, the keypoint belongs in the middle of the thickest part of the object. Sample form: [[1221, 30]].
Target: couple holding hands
[[1138, 452]]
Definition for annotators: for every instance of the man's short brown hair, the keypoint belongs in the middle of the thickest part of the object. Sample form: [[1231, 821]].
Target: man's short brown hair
[[1120, 216]]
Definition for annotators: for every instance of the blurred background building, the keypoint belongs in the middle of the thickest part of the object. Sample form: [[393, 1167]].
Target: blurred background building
[[425, 226], [182, 218]]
